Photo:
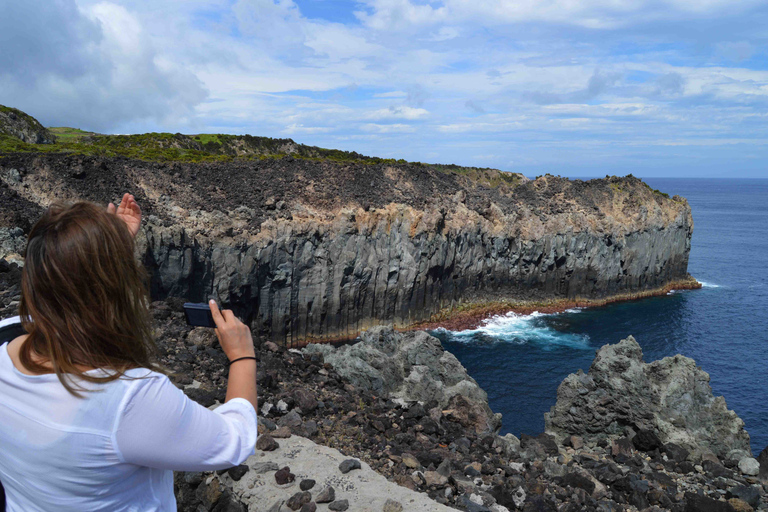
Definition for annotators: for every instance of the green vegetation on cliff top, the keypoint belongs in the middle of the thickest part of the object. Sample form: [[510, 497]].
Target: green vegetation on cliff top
[[168, 147]]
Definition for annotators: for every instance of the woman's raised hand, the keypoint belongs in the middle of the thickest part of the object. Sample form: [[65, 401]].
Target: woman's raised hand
[[234, 336], [129, 212]]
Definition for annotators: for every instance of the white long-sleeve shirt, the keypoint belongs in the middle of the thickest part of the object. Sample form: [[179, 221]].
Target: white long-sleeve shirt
[[113, 450]]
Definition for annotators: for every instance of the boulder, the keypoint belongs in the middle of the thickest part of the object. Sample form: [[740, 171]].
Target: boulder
[[670, 398], [412, 367]]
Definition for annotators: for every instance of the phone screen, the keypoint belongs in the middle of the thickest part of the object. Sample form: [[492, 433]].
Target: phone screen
[[199, 315]]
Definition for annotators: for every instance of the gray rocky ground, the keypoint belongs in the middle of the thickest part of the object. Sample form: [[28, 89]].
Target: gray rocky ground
[[437, 452]]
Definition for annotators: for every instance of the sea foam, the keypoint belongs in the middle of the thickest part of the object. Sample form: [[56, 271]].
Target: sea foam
[[521, 329]]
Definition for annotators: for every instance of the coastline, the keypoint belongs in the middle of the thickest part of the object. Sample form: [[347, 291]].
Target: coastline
[[471, 315]]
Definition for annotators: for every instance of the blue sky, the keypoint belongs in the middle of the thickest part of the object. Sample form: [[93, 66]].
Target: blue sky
[[576, 88]]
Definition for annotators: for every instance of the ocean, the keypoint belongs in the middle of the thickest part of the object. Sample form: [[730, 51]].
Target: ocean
[[521, 359]]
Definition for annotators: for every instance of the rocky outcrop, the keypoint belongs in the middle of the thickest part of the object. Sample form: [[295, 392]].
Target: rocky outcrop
[[412, 367], [309, 250], [15, 123], [670, 399]]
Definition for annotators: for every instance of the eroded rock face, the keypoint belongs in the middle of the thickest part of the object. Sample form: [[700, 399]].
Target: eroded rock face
[[622, 394], [17, 124], [321, 251], [412, 367]]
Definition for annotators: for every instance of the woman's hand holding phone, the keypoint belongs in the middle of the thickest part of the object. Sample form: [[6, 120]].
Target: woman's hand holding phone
[[234, 336]]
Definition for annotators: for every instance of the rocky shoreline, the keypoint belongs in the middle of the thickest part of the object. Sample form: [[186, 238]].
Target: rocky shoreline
[[452, 454], [400, 406]]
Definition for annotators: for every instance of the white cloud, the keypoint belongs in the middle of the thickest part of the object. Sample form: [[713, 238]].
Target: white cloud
[[96, 69], [387, 128], [402, 112], [595, 14]]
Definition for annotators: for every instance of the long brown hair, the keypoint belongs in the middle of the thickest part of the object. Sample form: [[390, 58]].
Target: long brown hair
[[84, 299]]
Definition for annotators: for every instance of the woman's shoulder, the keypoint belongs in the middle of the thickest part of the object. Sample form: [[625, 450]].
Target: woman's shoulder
[[145, 375]]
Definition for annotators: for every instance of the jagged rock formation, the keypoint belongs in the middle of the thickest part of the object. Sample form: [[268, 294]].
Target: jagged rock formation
[[670, 398], [15, 123], [322, 250], [412, 367]]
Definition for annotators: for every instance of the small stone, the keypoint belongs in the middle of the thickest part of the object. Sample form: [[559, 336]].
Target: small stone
[[292, 419], [281, 433], [696, 503], [576, 442], [309, 507], [266, 443], [327, 495], [748, 493], [392, 506], [263, 467], [348, 465], [284, 476], [740, 505], [646, 441], [306, 484], [749, 466], [676, 452], [410, 461], [298, 500], [272, 347], [305, 400], [435, 479], [237, 472], [340, 505]]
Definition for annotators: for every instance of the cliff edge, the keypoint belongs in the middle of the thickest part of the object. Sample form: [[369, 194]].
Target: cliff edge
[[311, 249]]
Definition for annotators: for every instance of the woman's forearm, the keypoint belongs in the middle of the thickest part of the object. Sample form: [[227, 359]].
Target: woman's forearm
[[242, 381]]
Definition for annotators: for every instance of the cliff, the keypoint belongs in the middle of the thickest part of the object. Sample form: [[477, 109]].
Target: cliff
[[322, 246], [17, 124]]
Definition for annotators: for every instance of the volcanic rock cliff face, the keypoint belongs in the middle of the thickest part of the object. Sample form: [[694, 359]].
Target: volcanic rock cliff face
[[312, 250]]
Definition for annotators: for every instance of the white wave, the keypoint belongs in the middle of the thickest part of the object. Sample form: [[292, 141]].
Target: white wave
[[705, 284], [521, 329]]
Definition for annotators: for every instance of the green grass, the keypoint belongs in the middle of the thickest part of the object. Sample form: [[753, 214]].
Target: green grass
[[169, 147], [66, 134]]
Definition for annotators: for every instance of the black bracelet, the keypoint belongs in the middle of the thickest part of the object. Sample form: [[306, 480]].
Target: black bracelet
[[240, 359]]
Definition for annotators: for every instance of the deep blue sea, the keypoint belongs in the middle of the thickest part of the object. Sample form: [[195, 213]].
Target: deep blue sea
[[520, 360]]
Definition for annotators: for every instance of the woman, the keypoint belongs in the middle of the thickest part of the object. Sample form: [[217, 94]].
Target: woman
[[87, 422]]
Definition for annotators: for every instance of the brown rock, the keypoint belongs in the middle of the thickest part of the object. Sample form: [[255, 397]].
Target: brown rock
[[284, 476], [283, 432], [740, 505], [298, 500], [405, 481], [392, 506], [265, 443], [327, 495], [411, 461]]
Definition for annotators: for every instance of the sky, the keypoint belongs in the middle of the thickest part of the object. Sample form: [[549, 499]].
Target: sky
[[656, 88]]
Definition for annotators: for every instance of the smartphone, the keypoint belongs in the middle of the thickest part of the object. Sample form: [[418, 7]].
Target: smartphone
[[199, 314]]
